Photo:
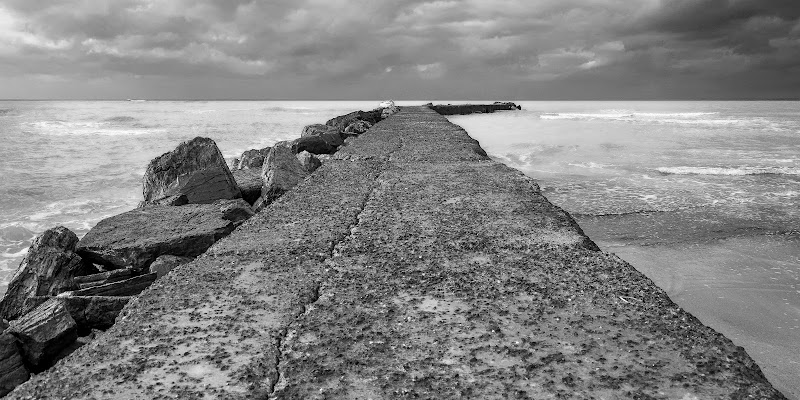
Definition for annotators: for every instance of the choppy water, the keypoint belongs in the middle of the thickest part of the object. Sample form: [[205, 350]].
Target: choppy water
[[700, 196]]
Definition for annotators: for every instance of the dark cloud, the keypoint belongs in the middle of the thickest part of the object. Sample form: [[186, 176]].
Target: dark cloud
[[412, 49]]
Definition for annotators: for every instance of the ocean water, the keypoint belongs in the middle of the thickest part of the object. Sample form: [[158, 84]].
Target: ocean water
[[702, 197]]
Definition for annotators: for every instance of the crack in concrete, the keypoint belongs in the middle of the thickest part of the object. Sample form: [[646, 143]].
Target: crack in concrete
[[286, 334]]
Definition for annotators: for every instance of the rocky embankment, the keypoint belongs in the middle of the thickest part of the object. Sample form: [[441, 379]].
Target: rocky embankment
[[408, 265], [67, 291], [463, 109]]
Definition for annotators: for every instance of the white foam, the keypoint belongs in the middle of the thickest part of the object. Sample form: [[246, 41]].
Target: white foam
[[75, 128], [728, 171], [591, 165]]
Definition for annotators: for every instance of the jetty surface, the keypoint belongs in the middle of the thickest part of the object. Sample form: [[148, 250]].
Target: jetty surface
[[409, 266]]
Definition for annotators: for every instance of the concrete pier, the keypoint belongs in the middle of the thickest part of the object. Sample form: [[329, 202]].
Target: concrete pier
[[410, 266]]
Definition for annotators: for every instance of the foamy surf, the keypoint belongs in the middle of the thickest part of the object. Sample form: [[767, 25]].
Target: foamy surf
[[727, 171]]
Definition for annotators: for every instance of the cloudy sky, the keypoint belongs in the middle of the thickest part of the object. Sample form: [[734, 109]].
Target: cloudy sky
[[375, 49]]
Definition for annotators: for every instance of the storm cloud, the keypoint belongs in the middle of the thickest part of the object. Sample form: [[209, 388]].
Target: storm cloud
[[333, 49]]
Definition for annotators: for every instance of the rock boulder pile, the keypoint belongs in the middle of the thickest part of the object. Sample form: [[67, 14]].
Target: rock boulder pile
[[67, 289]]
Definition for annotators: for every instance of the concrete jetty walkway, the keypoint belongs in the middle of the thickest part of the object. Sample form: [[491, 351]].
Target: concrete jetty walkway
[[410, 266]]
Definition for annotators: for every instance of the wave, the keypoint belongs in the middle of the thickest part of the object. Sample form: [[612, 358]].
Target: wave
[[728, 171], [4, 112], [86, 128], [683, 118], [591, 165]]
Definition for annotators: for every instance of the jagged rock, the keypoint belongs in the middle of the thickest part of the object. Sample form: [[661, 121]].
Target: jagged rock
[[233, 164], [47, 269], [281, 172], [44, 332], [253, 158], [250, 183], [195, 168], [236, 211], [136, 238], [127, 287], [89, 312], [12, 369], [315, 129], [163, 264], [358, 127], [83, 282], [343, 121], [309, 161], [325, 143]]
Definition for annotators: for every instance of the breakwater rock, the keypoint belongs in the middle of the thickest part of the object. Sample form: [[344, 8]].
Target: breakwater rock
[[462, 109], [409, 265]]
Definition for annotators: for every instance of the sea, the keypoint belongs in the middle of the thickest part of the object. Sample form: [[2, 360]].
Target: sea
[[700, 196]]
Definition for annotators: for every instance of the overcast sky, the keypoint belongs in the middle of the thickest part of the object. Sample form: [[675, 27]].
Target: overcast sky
[[376, 49]]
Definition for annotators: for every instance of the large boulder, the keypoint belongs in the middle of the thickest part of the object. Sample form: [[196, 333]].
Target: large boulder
[[309, 161], [196, 169], [250, 183], [325, 143], [44, 332], [47, 269], [12, 368], [281, 172], [315, 129], [136, 238], [253, 158], [343, 121]]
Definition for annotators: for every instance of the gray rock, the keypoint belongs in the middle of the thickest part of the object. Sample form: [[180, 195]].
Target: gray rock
[[281, 172], [315, 129], [47, 269], [341, 122], [12, 368], [44, 332], [358, 127], [196, 169], [175, 200], [309, 161], [127, 287], [163, 264], [136, 238], [89, 312], [250, 183], [253, 158], [236, 211], [83, 282], [325, 143]]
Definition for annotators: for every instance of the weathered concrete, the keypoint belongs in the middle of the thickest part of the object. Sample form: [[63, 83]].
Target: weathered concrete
[[409, 266]]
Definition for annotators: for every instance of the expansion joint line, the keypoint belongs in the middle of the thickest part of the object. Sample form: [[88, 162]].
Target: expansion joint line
[[308, 300]]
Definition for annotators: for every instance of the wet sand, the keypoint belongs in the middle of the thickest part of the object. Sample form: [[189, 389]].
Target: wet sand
[[746, 288]]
